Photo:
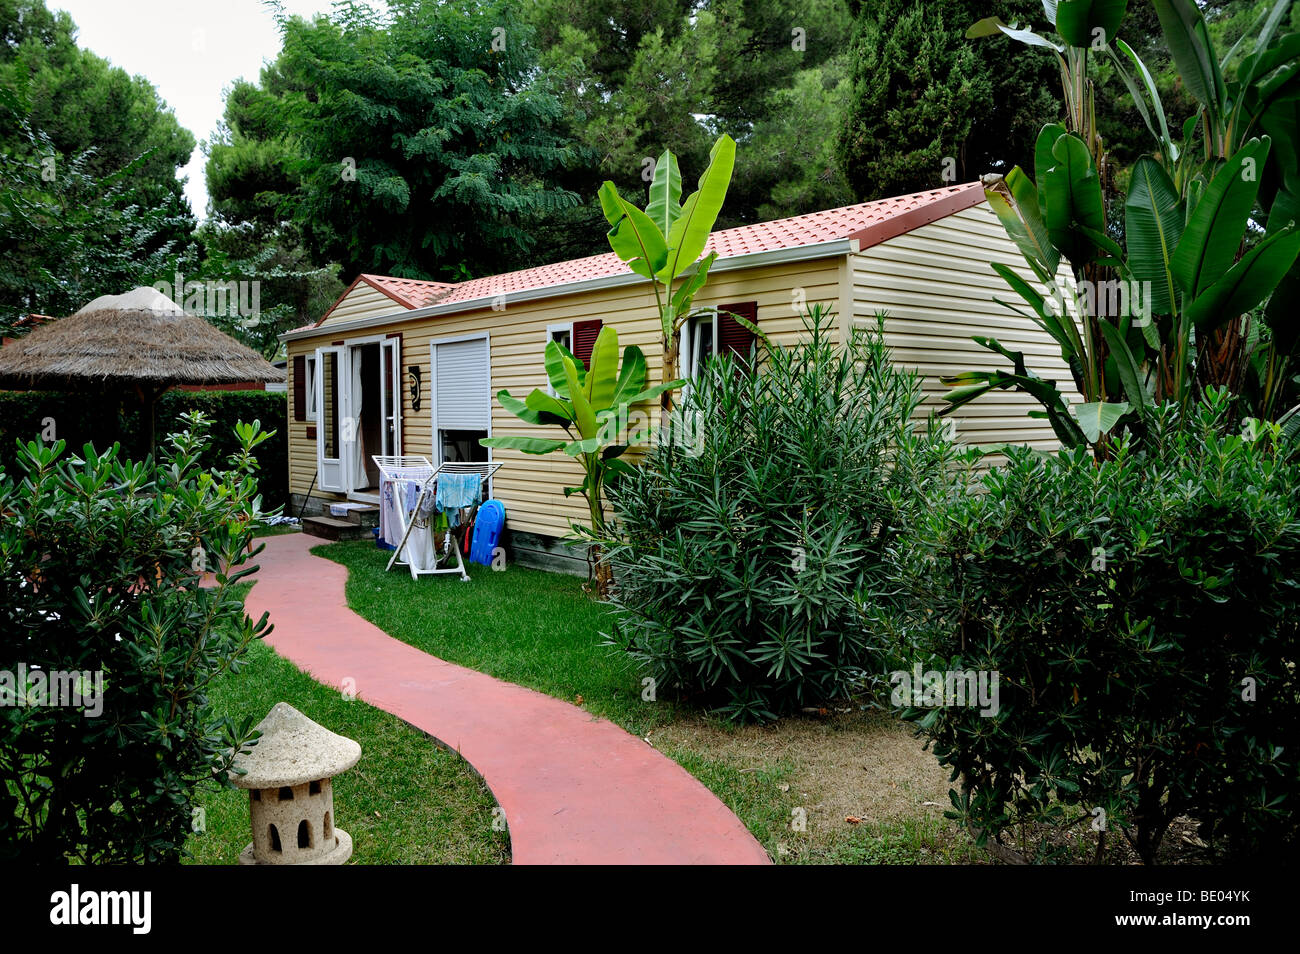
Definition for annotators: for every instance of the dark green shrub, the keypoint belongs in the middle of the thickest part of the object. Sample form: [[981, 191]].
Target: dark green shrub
[[99, 563], [102, 420], [742, 571], [1142, 616], [225, 409]]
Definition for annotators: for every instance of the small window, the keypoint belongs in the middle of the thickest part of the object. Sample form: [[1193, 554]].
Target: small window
[[311, 387], [275, 839], [463, 446], [717, 333], [313, 788], [562, 335], [697, 345], [304, 834], [286, 794]]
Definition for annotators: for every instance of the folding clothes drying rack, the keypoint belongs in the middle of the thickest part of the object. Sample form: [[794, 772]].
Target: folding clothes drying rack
[[417, 468]]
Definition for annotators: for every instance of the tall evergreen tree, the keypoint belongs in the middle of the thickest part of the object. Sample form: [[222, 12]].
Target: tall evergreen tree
[[923, 94], [83, 106], [415, 143]]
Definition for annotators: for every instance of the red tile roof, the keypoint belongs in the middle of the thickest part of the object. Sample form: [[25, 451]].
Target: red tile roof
[[413, 292], [869, 222]]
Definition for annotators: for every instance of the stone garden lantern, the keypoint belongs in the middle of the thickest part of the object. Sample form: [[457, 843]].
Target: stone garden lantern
[[291, 796]]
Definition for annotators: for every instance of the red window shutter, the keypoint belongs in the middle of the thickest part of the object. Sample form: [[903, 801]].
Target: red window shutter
[[300, 388], [584, 339], [733, 337]]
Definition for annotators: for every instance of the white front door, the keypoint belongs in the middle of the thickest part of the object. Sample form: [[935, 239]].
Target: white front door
[[335, 434], [390, 394]]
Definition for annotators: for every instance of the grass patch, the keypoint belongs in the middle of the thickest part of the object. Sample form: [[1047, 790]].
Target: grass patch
[[540, 630], [408, 801]]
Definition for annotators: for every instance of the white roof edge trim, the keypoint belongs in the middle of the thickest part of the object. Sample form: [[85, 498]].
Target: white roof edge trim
[[830, 249]]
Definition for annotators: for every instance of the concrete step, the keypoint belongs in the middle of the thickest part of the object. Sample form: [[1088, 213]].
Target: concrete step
[[367, 516], [334, 528]]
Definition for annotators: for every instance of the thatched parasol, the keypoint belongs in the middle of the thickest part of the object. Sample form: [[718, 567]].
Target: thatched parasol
[[141, 341]]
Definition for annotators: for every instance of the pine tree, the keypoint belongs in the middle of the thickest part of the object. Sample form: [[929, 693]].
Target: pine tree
[[928, 106]]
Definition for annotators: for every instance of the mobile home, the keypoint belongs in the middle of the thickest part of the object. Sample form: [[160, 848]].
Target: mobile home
[[398, 366]]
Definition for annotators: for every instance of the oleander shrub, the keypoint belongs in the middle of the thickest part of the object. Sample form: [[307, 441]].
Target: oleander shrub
[[1142, 615], [102, 612], [744, 559]]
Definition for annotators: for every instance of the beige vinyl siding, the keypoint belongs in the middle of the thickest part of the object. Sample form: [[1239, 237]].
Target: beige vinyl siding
[[532, 487], [363, 301], [937, 286]]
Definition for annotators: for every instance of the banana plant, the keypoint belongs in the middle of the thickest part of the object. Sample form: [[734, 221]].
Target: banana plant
[[1183, 273], [591, 406], [665, 240], [1082, 28]]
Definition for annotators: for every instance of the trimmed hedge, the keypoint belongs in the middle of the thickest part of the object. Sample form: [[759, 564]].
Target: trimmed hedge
[[81, 418]]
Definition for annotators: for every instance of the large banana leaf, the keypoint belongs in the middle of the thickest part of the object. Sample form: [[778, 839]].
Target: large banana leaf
[[529, 445], [1075, 215], [1015, 201], [521, 410], [553, 360], [1078, 21], [1098, 418], [583, 413], [1126, 366], [1193, 53], [633, 235], [665, 193], [631, 376], [1153, 222], [602, 375], [542, 402], [1043, 158], [1214, 232], [1247, 283], [690, 232]]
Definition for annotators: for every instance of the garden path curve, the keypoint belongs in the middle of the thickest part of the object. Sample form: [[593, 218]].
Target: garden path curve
[[575, 789]]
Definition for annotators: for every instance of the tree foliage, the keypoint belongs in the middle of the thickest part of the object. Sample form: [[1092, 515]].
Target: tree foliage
[[79, 102], [416, 143], [72, 235], [100, 563], [1141, 616], [923, 93]]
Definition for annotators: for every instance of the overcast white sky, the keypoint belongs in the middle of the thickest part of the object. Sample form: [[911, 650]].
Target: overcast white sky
[[191, 50]]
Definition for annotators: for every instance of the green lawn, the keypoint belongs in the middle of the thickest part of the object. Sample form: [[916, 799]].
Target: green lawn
[[408, 801]]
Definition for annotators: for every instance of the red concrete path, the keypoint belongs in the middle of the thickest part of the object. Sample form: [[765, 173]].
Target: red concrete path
[[575, 789]]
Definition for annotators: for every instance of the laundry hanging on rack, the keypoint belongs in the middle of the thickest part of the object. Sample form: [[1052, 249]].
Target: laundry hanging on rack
[[422, 515], [457, 491]]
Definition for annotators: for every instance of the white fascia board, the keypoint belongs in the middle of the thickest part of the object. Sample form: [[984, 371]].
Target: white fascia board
[[830, 249]]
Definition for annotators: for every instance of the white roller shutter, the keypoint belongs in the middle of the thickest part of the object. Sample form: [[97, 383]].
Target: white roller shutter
[[461, 386]]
